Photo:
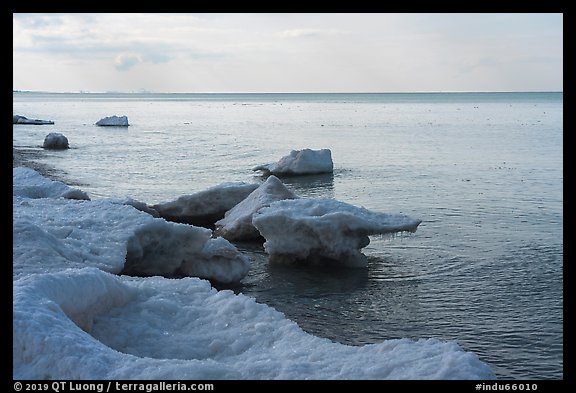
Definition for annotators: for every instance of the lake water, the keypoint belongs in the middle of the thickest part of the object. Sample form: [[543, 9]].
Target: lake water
[[483, 171]]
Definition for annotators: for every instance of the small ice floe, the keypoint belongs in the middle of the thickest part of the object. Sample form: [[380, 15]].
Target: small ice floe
[[113, 121], [300, 162], [319, 229], [237, 222], [17, 119], [206, 207], [55, 141]]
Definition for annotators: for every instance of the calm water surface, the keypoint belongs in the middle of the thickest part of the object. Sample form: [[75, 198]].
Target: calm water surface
[[482, 170]]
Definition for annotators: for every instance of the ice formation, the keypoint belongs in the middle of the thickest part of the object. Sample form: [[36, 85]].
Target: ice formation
[[55, 140], [115, 121], [28, 183], [110, 235], [88, 324], [206, 207], [309, 229], [300, 162], [17, 119], [139, 206], [237, 222], [74, 319]]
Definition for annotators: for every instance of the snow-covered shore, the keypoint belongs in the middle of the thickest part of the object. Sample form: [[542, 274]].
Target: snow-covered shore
[[55, 225], [76, 317]]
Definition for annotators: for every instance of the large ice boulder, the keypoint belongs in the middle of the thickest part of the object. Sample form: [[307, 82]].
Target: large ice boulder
[[318, 229], [55, 141], [300, 162], [237, 222], [17, 119], [113, 121], [206, 207]]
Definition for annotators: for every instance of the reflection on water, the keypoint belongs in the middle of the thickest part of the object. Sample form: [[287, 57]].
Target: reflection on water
[[407, 290], [279, 280], [317, 280], [343, 304]]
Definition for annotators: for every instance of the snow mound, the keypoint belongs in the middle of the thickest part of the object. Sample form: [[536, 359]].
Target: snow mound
[[204, 208], [300, 162], [313, 229], [28, 183], [88, 324], [17, 119], [237, 222], [113, 121], [56, 141], [55, 234]]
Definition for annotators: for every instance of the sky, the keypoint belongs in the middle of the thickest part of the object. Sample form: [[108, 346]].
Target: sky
[[283, 52]]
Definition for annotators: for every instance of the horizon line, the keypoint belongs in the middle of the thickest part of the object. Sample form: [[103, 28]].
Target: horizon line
[[285, 92]]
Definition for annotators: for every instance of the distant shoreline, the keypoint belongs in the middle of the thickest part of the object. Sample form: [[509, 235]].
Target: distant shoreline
[[278, 92]]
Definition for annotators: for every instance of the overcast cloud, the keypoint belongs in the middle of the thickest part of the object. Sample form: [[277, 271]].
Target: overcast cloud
[[288, 52]]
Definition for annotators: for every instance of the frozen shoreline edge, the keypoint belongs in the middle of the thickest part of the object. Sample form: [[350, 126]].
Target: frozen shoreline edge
[[321, 370], [30, 158]]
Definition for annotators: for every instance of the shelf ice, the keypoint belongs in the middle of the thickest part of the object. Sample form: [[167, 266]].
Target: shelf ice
[[75, 317]]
